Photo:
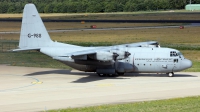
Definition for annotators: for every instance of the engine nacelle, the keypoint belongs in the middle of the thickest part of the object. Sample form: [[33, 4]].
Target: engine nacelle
[[121, 54], [104, 56], [110, 56]]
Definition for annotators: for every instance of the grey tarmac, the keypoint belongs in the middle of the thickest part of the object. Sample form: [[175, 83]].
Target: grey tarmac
[[33, 89]]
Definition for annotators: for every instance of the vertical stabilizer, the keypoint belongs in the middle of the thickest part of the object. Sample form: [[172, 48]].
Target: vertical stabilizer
[[33, 32]]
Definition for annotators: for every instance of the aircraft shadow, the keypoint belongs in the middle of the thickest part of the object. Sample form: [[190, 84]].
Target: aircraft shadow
[[94, 77], [155, 75], [62, 72], [90, 76]]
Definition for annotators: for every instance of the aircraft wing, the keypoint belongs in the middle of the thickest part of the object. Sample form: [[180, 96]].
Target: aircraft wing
[[108, 53], [82, 54], [142, 44]]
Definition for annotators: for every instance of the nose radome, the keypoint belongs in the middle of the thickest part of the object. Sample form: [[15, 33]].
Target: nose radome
[[186, 64]]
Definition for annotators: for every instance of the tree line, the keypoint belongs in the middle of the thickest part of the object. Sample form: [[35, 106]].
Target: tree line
[[93, 6]]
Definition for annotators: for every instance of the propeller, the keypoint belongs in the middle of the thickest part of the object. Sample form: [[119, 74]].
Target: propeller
[[127, 54], [115, 55], [120, 54]]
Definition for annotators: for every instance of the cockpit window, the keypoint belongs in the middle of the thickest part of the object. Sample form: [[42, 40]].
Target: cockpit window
[[180, 55], [173, 54]]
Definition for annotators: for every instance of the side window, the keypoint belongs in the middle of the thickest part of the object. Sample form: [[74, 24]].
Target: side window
[[175, 60]]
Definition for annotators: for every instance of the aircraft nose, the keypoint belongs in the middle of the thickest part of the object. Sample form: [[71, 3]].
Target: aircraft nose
[[186, 64]]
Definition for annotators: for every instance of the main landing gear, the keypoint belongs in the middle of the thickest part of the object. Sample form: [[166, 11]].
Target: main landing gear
[[171, 74], [104, 75], [111, 75]]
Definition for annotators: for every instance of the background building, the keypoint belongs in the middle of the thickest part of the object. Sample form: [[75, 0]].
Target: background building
[[192, 7]]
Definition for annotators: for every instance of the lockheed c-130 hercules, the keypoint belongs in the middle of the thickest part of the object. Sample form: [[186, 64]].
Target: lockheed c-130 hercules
[[141, 57]]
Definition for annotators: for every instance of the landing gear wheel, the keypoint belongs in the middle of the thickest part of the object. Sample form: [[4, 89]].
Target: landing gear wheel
[[171, 74], [102, 75], [111, 75], [120, 73]]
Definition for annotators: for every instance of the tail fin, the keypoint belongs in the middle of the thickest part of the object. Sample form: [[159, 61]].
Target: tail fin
[[33, 32]]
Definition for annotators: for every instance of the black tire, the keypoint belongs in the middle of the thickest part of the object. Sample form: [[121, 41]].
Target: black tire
[[120, 73], [171, 74], [110, 75], [101, 75]]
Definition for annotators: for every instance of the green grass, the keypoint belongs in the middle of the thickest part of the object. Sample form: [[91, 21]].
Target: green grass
[[148, 15], [30, 59], [187, 36], [37, 59], [195, 67], [182, 39], [188, 104]]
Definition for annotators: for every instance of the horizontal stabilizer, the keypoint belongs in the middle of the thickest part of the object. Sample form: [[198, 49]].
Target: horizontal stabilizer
[[25, 49]]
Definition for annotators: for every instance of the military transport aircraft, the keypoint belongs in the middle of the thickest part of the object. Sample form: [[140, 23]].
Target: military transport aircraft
[[147, 57]]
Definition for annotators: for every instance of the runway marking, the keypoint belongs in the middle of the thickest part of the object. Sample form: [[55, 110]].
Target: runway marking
[[105, 85], [36, 82], [21, 87]]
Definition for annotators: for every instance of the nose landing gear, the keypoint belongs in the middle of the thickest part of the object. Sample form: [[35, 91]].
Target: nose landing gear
[[171, 74]]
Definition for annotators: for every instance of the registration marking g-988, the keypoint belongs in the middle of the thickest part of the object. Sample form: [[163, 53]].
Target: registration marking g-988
[[35, 35]]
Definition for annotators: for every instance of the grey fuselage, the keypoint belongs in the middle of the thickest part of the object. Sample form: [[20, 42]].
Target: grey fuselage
[[142, 59]]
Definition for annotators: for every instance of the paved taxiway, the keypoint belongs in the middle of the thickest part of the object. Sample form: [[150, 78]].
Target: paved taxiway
[[99, 29], [38, 89]]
